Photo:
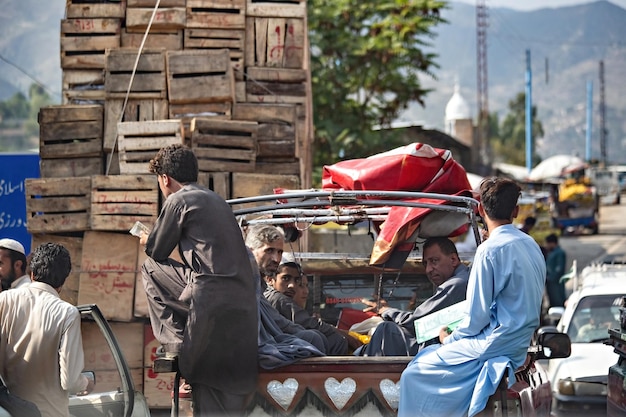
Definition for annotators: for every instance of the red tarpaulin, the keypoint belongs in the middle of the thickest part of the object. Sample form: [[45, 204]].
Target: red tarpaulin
[[415, 167]]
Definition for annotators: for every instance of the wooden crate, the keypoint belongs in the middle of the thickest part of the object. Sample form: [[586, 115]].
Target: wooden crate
[[283, 166], [74, 245], [149, 80], [135, 111], [195, 76], [216, 14], [75, 9], [83, 86], [276, 8], [118, 201], [70, 131], [157, 388], [166, 19], [71, 167], [276, 137], [249, 185], [138, 142], [275, 42], [215, 39], [57, 205], [224, 145], [168, 41], [219, 182], [100, 359], [107, 275], [189, 111], [85, 40], [276, 85]]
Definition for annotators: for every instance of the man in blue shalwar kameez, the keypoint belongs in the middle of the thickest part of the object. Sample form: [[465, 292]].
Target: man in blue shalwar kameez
[[505, 289]]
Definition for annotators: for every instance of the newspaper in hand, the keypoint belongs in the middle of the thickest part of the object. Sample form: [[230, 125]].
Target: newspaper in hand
[[138, 228], [428, 327]]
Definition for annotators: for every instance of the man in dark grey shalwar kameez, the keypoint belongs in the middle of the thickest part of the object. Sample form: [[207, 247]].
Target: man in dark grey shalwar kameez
[[396, 335], [204, 310]]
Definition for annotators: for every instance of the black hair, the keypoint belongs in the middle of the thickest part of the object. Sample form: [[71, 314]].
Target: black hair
[[499, 196], [51, 264], [176, 161], [552, 238], [446, 245]]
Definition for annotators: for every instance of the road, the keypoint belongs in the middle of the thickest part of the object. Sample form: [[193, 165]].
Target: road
[[609, 243]]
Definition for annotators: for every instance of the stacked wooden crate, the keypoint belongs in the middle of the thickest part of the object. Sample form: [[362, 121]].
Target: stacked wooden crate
[[229, 78]]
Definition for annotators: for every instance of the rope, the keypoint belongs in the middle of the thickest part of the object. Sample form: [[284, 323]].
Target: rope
[[130, 83]]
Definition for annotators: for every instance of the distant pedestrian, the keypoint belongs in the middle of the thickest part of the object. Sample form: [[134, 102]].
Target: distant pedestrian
[[555, 268], [529, 223]]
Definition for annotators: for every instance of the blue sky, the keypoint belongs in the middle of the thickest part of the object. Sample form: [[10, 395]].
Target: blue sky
[[538, 4]]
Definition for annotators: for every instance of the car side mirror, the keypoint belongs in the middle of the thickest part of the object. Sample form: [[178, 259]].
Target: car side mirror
[[555, 314], [552, 344]]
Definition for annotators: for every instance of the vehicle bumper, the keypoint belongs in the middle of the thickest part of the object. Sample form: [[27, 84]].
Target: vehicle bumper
[[571, 406]]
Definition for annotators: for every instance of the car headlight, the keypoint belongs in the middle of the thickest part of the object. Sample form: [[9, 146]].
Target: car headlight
[[569, 387]]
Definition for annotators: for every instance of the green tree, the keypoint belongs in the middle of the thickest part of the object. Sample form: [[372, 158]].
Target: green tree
[[366, 56], [38, 98], [510, 147], [16, 107]]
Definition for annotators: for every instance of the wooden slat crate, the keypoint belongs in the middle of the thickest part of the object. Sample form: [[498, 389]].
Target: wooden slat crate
[[99, 358], [168, 41], [216, 14], [74, 245], [57, 205], [118, 201], [276, 8], [157, 387], [189, 111], [215, 39], [283, 166], [276, 136], [70, 131], [224, 145], [275, 42], [85, 40], [276, 85], [149, 81], [71, 167], [138, 142], [81, 9], [166, 19], [108, 273], [135, 111], [152, 3], [216, 181], [83, 86], [199, 76], [249, 185]]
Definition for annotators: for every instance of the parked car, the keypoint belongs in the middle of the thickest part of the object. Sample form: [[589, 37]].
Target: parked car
[[369, 386], [115, 395], [616, 396], [579, 383]]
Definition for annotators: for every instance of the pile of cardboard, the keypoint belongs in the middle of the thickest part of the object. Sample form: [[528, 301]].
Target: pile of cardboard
[[228, 78]]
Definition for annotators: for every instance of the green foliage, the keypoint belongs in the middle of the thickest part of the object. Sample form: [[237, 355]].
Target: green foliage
[[509, 145], [365, 62], [20, 114]]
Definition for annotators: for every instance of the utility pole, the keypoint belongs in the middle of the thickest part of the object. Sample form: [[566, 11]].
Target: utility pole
[[589, 121], [529, 114], [603, 131], [481, 154]]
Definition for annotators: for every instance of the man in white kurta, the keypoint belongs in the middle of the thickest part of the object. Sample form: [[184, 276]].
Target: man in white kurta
[[41, 352], [504, 292]]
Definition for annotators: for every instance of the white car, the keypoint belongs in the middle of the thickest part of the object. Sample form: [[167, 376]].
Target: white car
[[579, 383]]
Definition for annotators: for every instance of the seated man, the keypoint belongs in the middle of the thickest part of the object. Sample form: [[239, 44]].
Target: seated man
[[280, 294], [396, 335]]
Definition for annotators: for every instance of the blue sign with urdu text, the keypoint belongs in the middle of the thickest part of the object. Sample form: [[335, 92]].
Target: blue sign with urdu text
[[15, 168]]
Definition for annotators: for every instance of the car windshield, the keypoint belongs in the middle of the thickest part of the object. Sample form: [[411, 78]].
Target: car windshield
[[593, 317]]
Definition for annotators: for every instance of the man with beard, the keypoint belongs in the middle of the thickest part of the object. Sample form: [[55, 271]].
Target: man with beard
[[12, 264]]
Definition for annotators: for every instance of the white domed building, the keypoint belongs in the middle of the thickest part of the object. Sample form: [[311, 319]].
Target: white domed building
[[458, 119]]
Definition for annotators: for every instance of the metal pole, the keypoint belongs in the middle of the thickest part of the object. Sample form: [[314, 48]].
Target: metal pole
[[589, 121], [529, 116]]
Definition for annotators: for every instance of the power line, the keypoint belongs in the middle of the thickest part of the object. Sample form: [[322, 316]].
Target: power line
[[35, 80]]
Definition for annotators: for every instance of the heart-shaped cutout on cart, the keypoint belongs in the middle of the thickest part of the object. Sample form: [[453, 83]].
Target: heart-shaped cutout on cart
[[340, 392], [391, 392], [283, 392]]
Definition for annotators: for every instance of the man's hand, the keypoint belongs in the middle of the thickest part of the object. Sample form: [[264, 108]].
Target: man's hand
[[374, 306], [443, 333], [90, 386]]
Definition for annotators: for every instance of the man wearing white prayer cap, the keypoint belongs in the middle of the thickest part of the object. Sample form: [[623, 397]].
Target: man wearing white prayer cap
[[12, 264]]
